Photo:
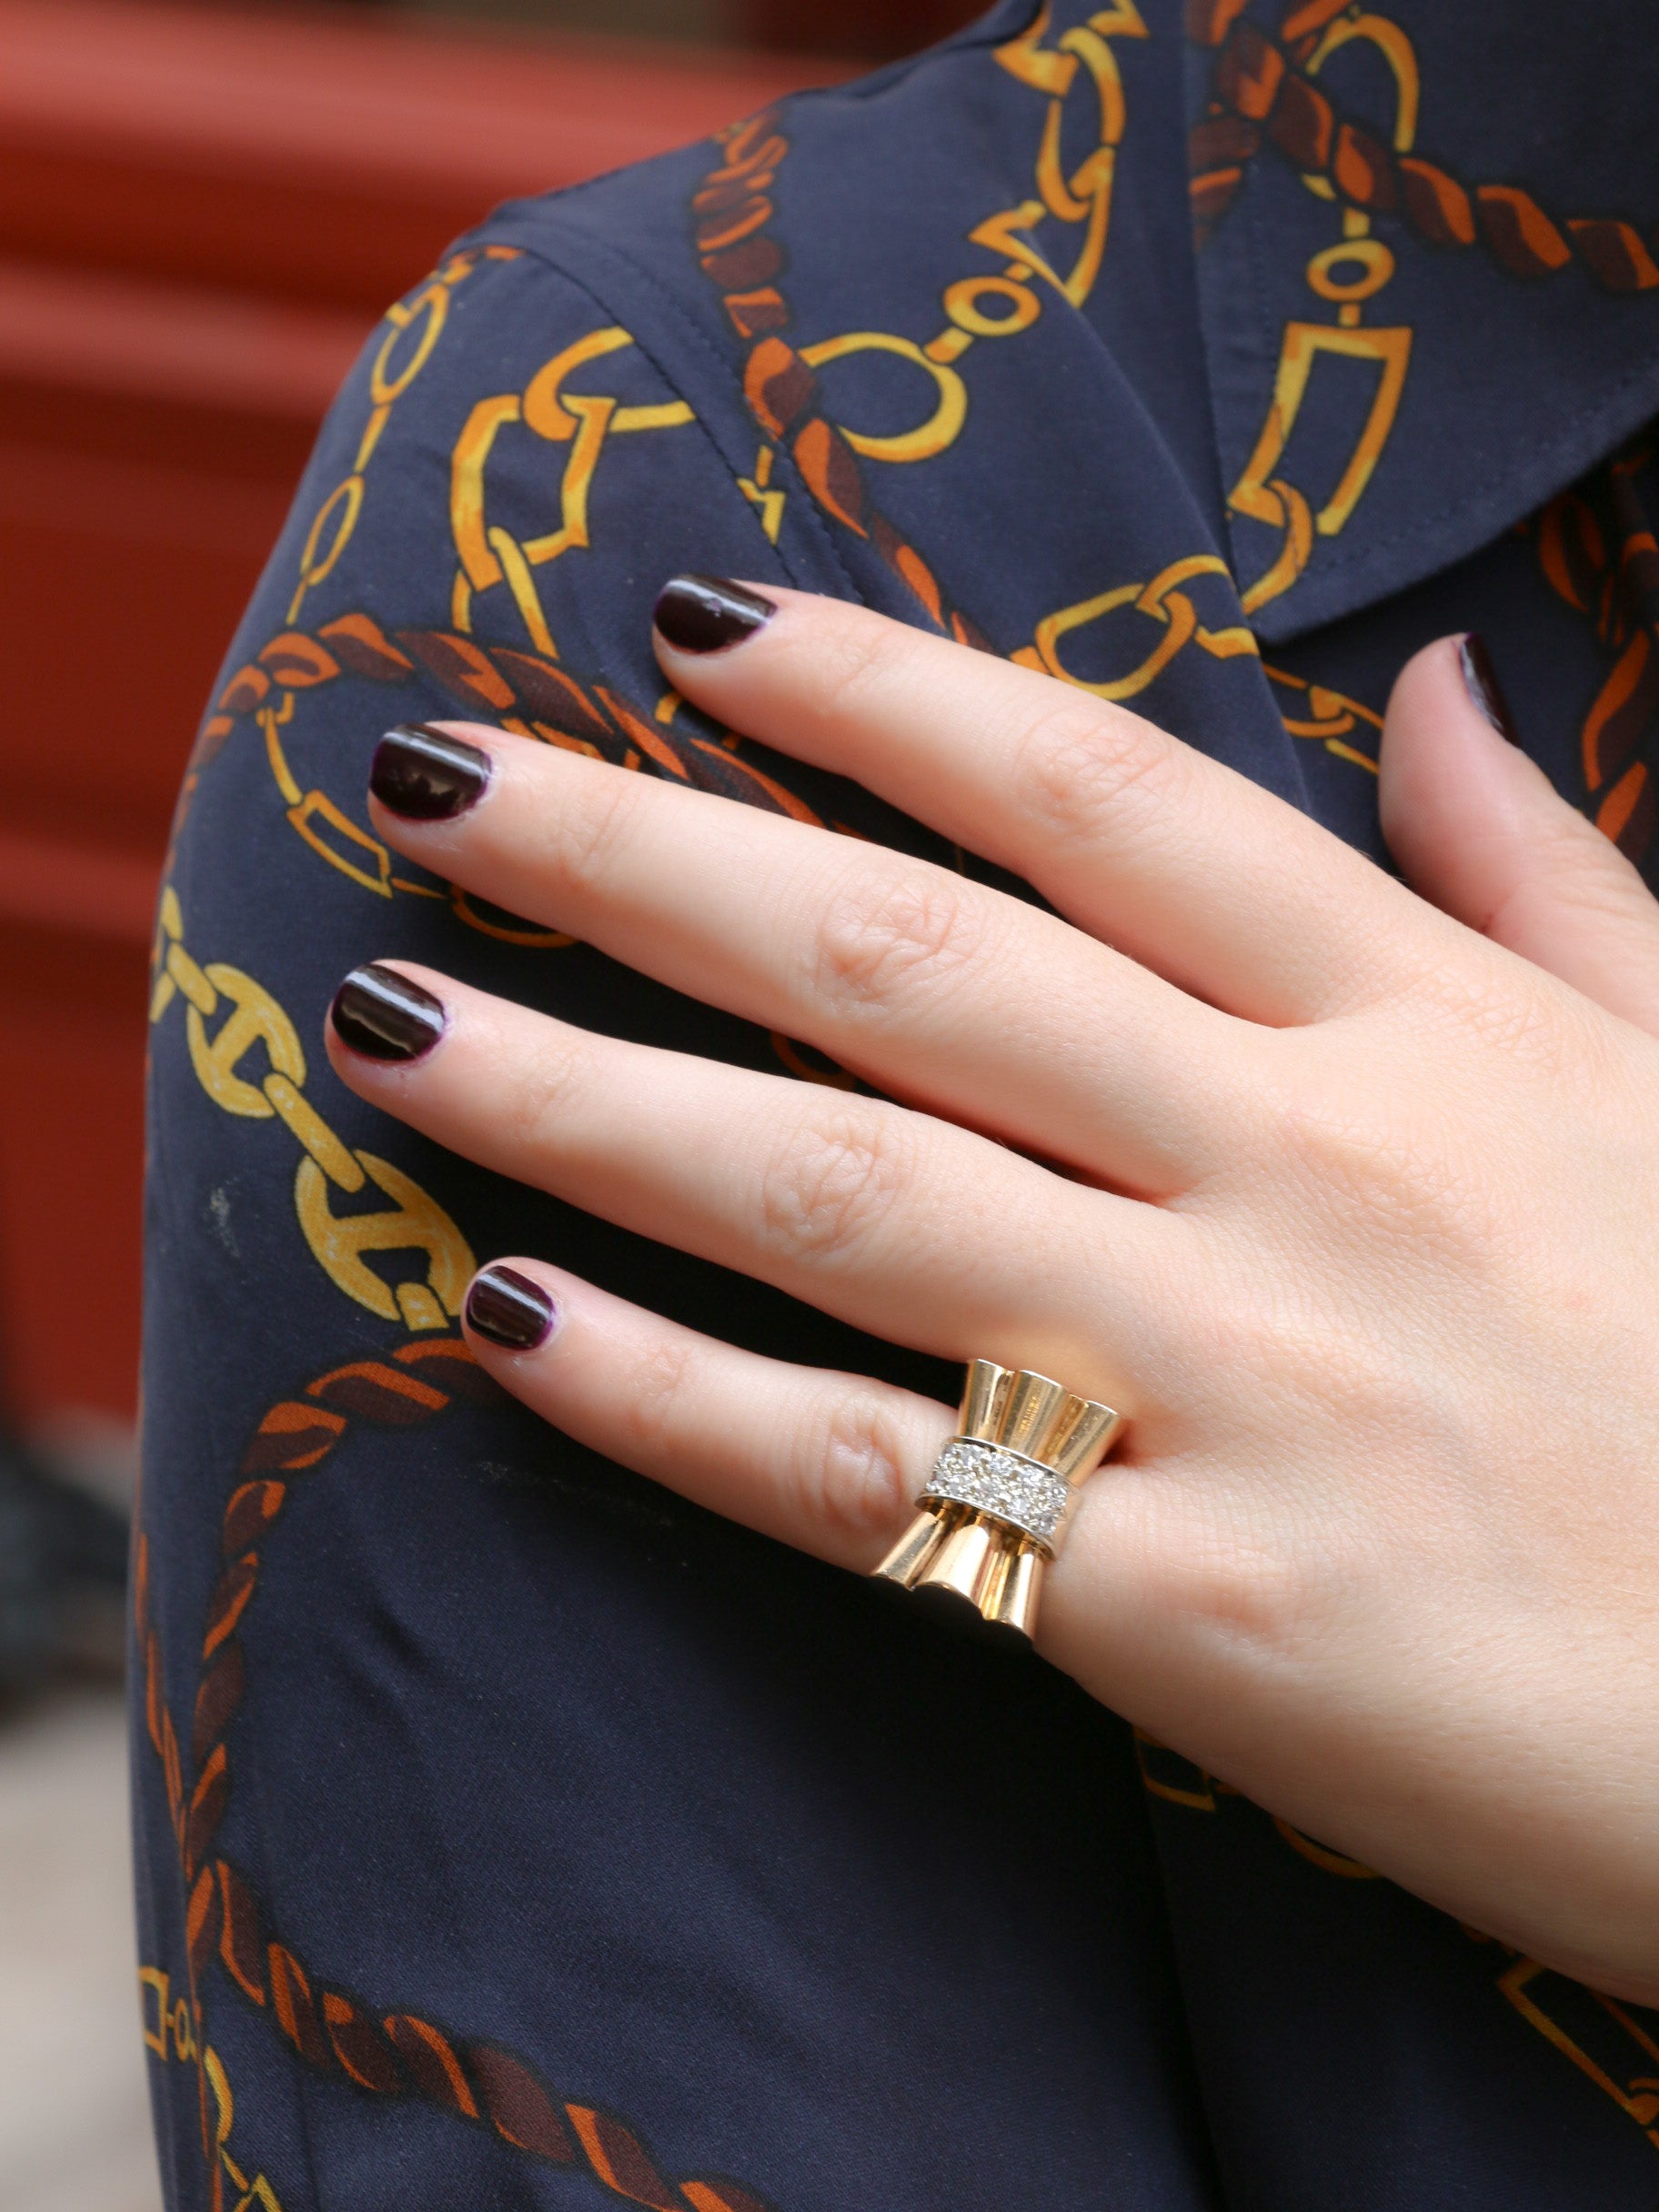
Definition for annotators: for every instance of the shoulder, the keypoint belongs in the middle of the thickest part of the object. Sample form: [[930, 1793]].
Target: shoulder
[[727, 228]]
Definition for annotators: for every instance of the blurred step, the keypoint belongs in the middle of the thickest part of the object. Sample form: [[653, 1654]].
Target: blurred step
[[74, 2131]]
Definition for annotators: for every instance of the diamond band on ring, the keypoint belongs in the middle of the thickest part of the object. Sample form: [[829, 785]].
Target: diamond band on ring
[[994, 1508], [1030, 1498]]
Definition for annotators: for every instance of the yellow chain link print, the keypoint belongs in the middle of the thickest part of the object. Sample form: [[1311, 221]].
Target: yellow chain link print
[[1261, 492], [1318, 712], [173, 2034], [250, 1017], [1002, 305], [489, 554], [1329, 716], [411, 337], [1547, 2001], [1603, 2038], [1165, 604], [396, 367]]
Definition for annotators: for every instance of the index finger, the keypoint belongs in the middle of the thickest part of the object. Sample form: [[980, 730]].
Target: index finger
[[1140, 840]]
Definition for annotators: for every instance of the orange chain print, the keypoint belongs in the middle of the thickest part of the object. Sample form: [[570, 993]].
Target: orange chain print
[[385, 2053], [731, 210]]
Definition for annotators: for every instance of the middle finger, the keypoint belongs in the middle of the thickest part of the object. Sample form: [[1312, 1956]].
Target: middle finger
[[945, 990]]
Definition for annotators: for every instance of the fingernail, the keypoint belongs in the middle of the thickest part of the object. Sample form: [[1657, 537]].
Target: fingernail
[[422, 773], [510, 1310], [1484, 688], [384, 1016], [705, 614]]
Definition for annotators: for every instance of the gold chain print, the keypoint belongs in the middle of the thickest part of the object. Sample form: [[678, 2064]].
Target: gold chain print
[[249, 1017], [1155, 620], [490, 555], [396, 367], [1313, 711], [1345, 275], [270, 688], [1163, 603], [1001, 305], [172, 2028], [292, 662]]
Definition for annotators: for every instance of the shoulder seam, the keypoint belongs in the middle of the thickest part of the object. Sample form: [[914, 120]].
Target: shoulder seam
[[724, 370]]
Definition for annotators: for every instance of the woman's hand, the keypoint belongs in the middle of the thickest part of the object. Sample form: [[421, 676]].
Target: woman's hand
[[1353, 1212]]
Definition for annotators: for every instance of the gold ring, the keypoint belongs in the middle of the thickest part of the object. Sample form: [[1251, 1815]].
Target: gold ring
[[994, 1509]]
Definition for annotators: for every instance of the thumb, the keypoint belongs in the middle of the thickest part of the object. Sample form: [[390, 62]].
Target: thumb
[[1480, 831]]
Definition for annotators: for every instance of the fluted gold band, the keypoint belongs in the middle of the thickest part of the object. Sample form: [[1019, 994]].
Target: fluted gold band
[[994, 1508]]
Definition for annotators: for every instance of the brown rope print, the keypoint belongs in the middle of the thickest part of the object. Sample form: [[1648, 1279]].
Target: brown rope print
[[524, 692], [1262, 95], [384, 2054], [731, 212], [1597, 550]]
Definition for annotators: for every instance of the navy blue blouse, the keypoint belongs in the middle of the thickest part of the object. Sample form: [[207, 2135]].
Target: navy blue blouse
[[510, 1832]]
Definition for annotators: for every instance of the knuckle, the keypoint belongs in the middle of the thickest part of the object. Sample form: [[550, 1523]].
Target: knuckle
[[890, 936], [531, 1110], [652, 1407], [1348, 1151], [849, 1474], [1084, 767], [855, 654], [1237, 1580], [1521, 1018], [1383, 1160], [829, 1183], [1239, 1588], [585, 842]]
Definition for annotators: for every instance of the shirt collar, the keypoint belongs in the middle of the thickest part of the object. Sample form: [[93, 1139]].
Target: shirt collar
[[1427, 263], [1428, 276]]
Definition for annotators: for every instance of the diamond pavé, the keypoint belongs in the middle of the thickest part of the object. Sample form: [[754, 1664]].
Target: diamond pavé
[[1017, 1490]]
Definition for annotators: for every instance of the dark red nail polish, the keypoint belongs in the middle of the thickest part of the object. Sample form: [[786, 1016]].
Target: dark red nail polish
[[510, 1310], [384, 1016], [1484, 688], [705, 614], [425, 774]]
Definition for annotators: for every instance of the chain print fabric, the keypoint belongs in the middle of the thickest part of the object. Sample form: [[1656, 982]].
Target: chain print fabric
[[508, 1832]]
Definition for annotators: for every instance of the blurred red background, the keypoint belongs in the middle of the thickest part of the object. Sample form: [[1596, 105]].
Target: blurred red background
[[202, 212]]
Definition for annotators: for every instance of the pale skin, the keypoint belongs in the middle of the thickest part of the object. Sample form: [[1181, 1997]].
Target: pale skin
[[1352, 1212]]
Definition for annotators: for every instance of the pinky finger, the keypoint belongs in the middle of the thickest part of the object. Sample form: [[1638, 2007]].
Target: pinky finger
[[828, 1461]]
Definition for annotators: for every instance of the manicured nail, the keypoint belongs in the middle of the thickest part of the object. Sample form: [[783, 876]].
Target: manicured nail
[[510, 1310], [426, 776], [705, 614], [384, 1016], [1484, 688]]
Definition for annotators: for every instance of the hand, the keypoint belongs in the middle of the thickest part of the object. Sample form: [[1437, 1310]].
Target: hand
[[1353, 1213]]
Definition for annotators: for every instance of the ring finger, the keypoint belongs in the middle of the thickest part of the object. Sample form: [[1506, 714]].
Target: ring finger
[[830, 1462]]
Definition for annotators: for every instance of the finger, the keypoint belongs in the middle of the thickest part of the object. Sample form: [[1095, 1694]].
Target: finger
[[913, 1229], [1479, 829], [829, 1462], [1181, 863], [965, 1000]]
